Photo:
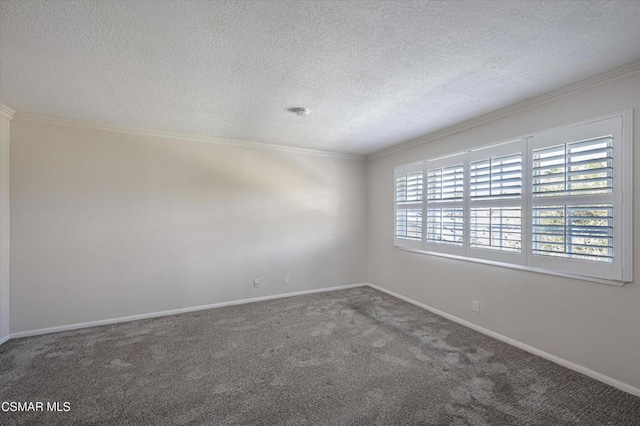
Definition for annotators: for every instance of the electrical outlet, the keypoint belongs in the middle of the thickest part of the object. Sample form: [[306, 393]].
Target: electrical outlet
[[287, 279], [476, 306], [256, 283]]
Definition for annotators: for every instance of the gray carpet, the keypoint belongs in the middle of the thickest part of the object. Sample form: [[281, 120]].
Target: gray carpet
[[350, 357]]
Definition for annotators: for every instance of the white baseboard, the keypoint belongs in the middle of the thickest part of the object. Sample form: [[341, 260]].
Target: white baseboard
[[5, 338], [553, 358], [109, 321]]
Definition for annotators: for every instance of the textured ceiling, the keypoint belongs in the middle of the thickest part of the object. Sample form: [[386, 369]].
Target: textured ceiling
[[373, 73]]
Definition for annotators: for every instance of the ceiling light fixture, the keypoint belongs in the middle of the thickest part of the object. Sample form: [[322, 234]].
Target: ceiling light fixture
[[302, 112]]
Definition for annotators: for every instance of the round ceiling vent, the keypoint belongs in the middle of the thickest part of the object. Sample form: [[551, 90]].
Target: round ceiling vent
[[302, 112]]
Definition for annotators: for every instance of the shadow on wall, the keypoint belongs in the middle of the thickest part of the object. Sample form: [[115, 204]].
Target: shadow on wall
[[247, 194], [141, 224]]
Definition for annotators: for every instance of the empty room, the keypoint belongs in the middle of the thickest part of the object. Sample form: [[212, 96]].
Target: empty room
[[288, 212]]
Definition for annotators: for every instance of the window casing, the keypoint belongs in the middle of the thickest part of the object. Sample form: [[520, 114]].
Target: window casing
[[557, 201]]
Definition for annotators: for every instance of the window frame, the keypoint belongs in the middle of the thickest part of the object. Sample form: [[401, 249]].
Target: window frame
[[617, 272]]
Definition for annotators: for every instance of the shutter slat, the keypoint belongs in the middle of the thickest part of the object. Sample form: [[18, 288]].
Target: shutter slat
[[500, 177], [574, 231], [497, 228], [445, 183], [445, 226], [409, 223], [409, 188], [575, 168]]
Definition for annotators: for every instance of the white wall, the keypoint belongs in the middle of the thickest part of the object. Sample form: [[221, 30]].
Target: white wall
[[107, 224], [4, 226], [594, 325]]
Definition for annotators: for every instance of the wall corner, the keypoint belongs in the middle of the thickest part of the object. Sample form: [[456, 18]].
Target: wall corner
[[6, 114]]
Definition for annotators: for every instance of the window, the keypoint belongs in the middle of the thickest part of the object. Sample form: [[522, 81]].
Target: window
[[445, 204], [408, 217], [577, 209], [496, 202], [555, 201]]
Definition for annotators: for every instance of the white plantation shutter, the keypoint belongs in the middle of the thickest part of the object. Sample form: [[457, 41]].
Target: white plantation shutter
[[496, 202], [571, 230], [576, 168], [408, 205], [445, 216], [556, 202], [574, 231], [575, 204]]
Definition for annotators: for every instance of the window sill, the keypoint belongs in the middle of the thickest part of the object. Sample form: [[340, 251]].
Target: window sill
[[519, 267]]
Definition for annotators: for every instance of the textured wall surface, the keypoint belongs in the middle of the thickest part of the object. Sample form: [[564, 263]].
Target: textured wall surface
[[590, 324], [107, 225], [374, 73]]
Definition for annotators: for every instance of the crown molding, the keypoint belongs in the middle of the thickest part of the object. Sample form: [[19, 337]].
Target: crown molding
[[498, 114], [68, 122], [6, 111]]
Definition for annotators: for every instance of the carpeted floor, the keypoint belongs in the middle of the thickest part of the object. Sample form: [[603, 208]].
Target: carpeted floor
[[350, 357]]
